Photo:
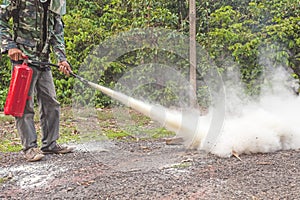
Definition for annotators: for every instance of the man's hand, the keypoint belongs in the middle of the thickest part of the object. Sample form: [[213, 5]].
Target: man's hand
[[16, 54], [65, 67]]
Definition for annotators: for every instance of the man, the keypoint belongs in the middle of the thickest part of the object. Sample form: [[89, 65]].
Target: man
[[36, 30]]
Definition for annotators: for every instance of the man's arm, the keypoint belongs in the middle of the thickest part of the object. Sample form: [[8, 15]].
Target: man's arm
[[58, 45], [8, 7], [57, 39]]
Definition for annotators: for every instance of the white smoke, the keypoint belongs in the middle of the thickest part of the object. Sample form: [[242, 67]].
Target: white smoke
[[267, 124]]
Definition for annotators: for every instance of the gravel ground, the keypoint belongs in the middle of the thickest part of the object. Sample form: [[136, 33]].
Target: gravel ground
[[150, 169]]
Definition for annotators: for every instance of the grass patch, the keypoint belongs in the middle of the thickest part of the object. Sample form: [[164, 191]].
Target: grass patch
[[182, 165], [140, 119], [161, 133], [105, 115], [2, 180], [132, 125], [10, 145], [92, 137], [9, 139], [135, 125], [6, 119], [68, 132], [113, 134], [68, 135]]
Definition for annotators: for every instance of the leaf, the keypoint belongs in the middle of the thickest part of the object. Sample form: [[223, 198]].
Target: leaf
[[235, 154]]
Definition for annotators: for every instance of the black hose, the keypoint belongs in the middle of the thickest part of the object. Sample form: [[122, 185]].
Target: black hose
[[54, 65]]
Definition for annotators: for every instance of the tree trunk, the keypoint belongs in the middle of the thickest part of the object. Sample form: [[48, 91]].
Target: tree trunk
[[193, 58]]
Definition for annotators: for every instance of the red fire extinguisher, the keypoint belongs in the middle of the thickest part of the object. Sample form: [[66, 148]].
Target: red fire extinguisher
[[18, 90]]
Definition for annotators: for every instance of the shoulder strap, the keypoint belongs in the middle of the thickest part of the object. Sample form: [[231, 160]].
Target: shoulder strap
[[15, 15]]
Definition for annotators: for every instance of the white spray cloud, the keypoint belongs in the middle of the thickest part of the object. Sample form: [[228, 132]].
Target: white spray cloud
[[268, 124]]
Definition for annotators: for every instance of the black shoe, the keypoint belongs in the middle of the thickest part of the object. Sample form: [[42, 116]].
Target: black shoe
[[58, 149]]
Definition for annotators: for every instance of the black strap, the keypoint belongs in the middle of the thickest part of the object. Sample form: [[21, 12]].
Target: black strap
[[45, 6], [38, 65], [15, 15]]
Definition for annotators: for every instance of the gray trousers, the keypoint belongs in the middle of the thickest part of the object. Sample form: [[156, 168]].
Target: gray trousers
[[49, 111]]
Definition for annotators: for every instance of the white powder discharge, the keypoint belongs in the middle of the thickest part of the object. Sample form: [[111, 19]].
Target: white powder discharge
[[261, 129], [269, 124]]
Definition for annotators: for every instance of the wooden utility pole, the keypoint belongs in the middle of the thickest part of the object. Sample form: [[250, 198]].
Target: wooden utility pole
[[193, 58]]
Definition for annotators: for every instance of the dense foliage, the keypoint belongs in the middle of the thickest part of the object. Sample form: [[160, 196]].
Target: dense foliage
[[239, 31]]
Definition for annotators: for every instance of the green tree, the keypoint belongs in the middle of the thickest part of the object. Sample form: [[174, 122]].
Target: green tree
[[229, 29]]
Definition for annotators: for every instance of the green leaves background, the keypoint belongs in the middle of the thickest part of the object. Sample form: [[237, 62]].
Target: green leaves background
[[228, 30]]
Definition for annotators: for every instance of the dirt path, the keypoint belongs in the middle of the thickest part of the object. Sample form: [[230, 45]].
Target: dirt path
[[150, 170]]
